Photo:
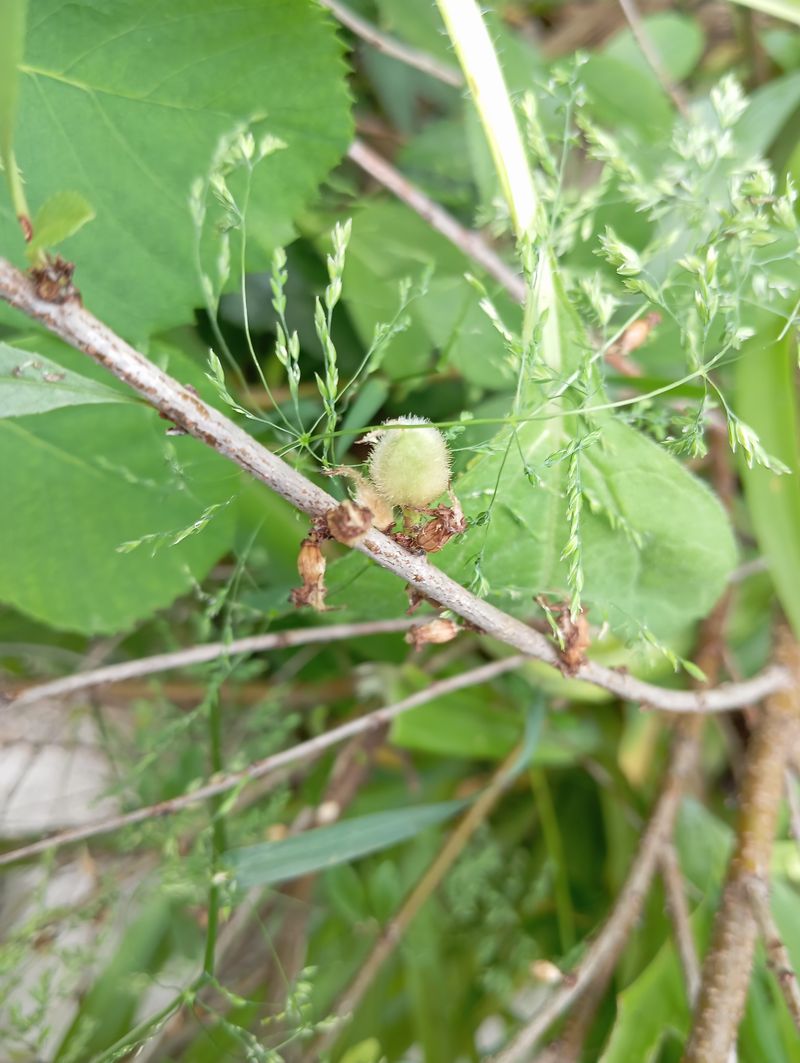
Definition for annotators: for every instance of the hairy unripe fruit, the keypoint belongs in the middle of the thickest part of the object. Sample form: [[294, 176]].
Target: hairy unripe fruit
[[410, 466]]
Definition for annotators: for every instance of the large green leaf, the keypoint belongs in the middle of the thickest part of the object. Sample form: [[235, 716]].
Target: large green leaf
[[658, 547], [31, 383], [766, 399], [79, 483], [124, 102]]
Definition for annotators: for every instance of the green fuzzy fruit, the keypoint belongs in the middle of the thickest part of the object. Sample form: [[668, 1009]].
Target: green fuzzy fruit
[[410, 466]]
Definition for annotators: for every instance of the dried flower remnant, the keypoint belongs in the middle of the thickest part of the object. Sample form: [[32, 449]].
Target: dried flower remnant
[[572, 635], [634, 336], [53, 281], [349, 522], [367, 496], [576, 639], [311, 567], [434, 632], [447, 522]]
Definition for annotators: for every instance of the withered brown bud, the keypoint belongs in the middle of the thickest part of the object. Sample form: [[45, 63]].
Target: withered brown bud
[[575, 634], [434, 632], [349, 522], [311, 566], [446, 522]]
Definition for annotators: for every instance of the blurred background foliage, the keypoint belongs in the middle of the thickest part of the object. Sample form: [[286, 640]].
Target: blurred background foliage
[[130, 106]]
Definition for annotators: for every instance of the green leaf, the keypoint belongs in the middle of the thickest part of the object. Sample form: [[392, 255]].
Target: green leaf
[[769, 108], [389, 242], [62, 215], [766, 400], [125, 104], [31, 383], [677, 38], [271, 863], [624, 96], [656, 544], [84, 482]]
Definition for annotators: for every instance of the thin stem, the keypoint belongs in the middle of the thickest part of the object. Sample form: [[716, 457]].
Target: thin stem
[[778, 959], [268, 766], [675, 891], [19, 201], [397, 926], [601, 955], [218, 839], [478, 59], [391, 46], [555, 852], [470, 243], [212, 651], [651, 54], [74, 324]]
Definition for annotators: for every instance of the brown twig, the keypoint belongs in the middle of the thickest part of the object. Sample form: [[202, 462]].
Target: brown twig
[[391, 46], [728, 963], [675, 892], [394, 930], [472, 244], [314, 747], [77, 326], [603, 953], [651, 54], [778, 959], [211, 651]]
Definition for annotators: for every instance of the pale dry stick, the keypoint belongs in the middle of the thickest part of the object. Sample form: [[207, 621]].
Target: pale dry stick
[[78, 327], [472, 244], [651, 54], [391, 46], [601, 955], [683, 759], [675, 892], [728, 963], [212, 651], [568, 1046], [778, 959], [393, 932], [314, 747]]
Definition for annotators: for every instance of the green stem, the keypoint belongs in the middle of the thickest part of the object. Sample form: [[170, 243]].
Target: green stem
[[478, 59], [218, 840], [555, 851]]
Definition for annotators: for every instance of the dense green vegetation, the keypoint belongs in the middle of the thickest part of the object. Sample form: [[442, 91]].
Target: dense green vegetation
[[603, 327]]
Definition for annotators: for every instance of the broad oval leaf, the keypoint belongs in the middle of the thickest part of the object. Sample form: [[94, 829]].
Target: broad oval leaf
[[656, 545], [82, 483], [125, 103]]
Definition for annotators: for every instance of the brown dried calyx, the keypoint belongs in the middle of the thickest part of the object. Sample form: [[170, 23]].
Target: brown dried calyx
[[349, 522], [311, 566], [434, 633], [447, 522], [575, 637], [53, 281], [367, 497]]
